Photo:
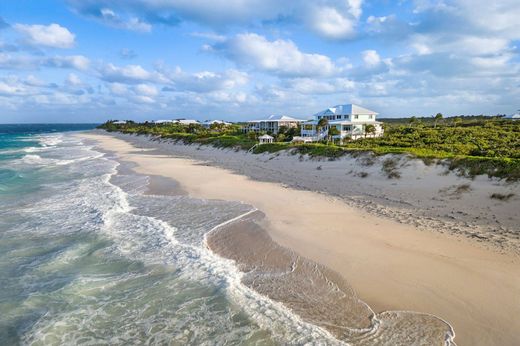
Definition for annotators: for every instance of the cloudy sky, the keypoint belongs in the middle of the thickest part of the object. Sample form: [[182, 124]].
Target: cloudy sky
[[90, 60]]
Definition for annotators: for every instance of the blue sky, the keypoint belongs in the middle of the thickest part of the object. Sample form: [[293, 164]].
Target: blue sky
[[92, 60]]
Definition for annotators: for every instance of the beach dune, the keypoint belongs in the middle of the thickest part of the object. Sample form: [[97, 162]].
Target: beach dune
[[390, 265]]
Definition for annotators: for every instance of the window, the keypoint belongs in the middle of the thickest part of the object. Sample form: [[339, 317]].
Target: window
[[346, 128], [356, 116], [338, 116], [370, 116]]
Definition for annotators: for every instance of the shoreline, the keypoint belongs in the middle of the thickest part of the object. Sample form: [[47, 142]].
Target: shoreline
[[425, 197], [384, 267]]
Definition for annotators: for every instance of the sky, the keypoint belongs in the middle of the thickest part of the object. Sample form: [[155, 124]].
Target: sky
[[93, 60]]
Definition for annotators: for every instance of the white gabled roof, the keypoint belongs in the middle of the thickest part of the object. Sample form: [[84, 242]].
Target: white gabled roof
[[345, 109], [163, 121], [266, 137], [210, 122], [276, 118]]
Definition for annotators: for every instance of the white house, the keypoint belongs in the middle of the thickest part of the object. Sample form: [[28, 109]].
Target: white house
[[119, 122], [272, 124], [208, 123], [515, 116], [350, 121], [187, 121], [163, 121]]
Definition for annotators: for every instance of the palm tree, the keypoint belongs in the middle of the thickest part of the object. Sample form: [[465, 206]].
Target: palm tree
[[412, 120], [457, 121], [333, 131], [323, 122], [438, 117], [369, 129]]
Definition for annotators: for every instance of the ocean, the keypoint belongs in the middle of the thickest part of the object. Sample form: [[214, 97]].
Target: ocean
[[89, 255]]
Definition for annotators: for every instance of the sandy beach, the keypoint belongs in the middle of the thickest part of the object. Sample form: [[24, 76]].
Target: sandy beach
[[392, 263]]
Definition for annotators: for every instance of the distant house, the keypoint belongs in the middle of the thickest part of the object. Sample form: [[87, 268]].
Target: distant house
[[515, 116], [163, 121], [208, 123], [349, 120], [272, 124], [187, 121], [119, 122]]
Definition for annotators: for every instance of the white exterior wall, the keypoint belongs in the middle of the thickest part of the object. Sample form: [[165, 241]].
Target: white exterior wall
[[352, 125]]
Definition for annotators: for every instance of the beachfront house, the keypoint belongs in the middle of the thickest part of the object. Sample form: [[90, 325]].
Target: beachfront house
[[119, 122], [272, 124], [350, 122], [176, 121], [209, 123]]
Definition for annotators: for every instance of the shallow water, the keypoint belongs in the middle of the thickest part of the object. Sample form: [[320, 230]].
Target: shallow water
[[87, 255]]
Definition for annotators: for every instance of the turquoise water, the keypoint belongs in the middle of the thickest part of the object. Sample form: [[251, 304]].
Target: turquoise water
[[87, 258]]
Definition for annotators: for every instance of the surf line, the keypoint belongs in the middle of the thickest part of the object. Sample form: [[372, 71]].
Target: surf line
[[241, 216]]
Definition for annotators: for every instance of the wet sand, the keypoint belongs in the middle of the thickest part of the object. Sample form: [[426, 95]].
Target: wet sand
[[391, 266]]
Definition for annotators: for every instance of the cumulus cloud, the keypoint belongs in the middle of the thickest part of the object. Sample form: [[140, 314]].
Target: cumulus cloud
[[146, 90], [311, 86], [25, 62], [335, 19], [371, 58], [53, 35], [78, 62], [110, 17], [126, 74], [204, 81], [73, 80], [281, 57]]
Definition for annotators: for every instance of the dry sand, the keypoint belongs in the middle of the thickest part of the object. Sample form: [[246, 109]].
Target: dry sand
[[391, 265]]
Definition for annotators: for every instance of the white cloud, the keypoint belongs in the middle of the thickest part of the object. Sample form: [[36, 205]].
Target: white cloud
[[312, 86], [78, 62], [335, 19], [208, 35], [371, 58], [204, 81], [118, 89], [73, 80], [146, 90], [126, 74], [25, 62], [53, 35], [281, 57], [8, 89], [132, 23]]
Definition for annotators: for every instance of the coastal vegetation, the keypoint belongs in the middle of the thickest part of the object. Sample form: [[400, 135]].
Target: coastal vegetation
[[469, 145]]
